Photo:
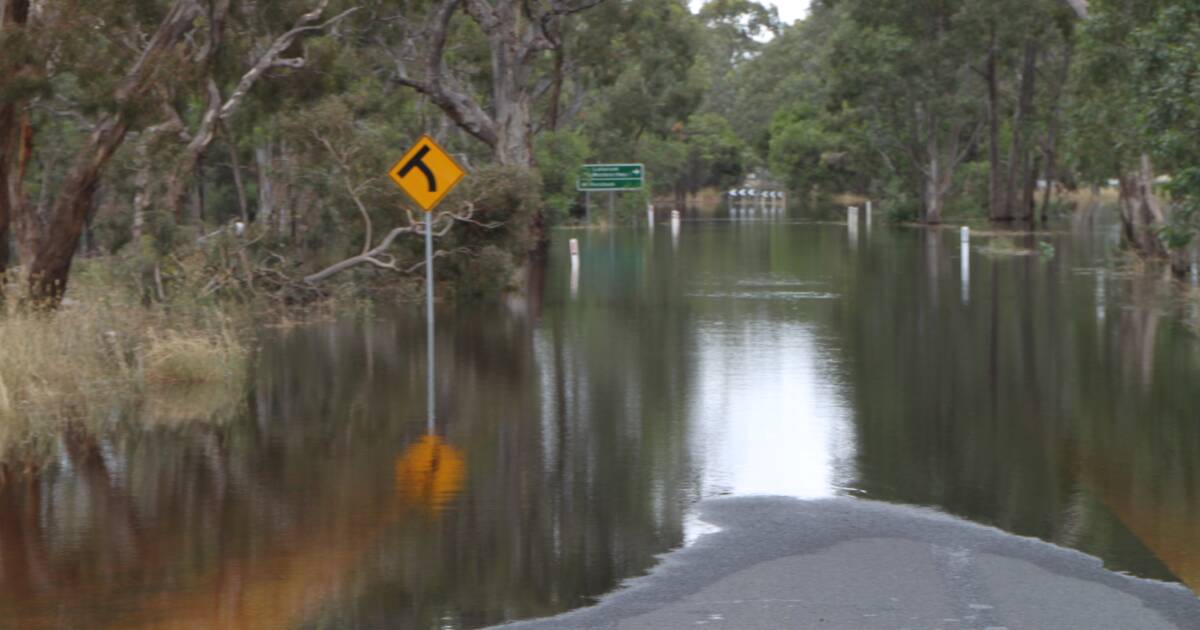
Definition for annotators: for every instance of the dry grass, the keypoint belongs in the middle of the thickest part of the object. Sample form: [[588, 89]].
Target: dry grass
[[1085, 196], [174, 358], [1004, 246], [849, 199], [105, 356]]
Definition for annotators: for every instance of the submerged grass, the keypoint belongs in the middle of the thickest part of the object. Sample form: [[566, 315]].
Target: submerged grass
[[1005, 246], [106, 356]]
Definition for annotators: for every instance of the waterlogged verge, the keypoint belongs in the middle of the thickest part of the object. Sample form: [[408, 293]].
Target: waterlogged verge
[[106, 357]]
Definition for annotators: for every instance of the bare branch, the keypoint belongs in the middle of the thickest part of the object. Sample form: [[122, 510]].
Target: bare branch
[[271, 58], [370, 257], [445, 90], [438, 254], [378, 257]]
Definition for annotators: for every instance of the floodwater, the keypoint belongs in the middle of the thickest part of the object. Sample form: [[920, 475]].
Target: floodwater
[[576, 429]]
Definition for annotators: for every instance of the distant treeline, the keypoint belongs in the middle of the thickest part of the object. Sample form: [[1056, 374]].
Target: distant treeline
[[247, 141]]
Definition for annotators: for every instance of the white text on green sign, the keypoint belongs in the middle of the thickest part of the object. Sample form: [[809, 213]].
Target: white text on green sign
[[609, 177]]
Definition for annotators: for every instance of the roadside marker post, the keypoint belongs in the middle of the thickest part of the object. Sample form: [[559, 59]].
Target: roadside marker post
[[427, 174], [966, 265]]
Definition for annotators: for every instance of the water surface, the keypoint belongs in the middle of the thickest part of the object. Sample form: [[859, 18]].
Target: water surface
[[577, 428]]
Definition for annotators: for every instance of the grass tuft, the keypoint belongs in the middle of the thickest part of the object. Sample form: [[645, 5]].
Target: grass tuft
[[105, 356]]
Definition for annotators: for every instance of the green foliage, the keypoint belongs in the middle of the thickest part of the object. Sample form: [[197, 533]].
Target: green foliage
[[666, 163], [559, 156], [507, 202], [1138, 94], [805, 151]]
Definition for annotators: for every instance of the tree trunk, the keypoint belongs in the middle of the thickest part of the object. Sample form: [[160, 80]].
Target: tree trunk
[[1151, 215], [997, 202], [263, 156], [14, 153], [556, 89], [24, 221], [1052, 132], [13, 15], [935, 190], [6, 126], [56, 250], [1127, 193], [235, 165], [1141, 212], [141, 196], [939, 176], [58, 243], [1019, 202], [512, 102]]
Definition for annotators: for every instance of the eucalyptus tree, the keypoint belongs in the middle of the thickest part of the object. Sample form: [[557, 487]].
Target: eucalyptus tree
[[1165, 67], [81, 80], [790, 69], [1134, 109], [517, 34], [641, 104], [905, 68], [735, 32], [1026, 52], [66, 56]]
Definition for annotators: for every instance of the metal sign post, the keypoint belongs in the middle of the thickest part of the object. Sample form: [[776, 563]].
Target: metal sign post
[[427, 173], [429, 330], [609, 178]]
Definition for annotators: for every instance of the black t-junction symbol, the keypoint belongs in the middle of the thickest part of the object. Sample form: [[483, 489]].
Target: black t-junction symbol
[[418, 162]]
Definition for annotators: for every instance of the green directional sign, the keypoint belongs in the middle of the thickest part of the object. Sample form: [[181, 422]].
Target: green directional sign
[[609, 177]]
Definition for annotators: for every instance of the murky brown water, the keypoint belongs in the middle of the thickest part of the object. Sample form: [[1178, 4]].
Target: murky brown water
[[576, 429]]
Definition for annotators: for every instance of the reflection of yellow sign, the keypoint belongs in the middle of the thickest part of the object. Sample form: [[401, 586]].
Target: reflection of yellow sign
[[429, 473], [427, 173]]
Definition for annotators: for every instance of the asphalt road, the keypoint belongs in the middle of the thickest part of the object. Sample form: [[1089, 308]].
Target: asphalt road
[[858, 565]]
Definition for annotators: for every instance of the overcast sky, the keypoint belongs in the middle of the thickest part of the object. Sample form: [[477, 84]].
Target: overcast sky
[[789, 10]]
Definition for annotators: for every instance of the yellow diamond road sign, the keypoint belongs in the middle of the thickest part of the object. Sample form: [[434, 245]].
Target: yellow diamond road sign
[[427, 173]]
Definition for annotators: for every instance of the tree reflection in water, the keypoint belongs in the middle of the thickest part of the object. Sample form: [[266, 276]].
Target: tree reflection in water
[[574, 434]]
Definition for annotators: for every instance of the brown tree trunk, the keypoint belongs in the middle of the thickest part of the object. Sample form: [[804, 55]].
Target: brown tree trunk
[[263, 157], [6, 126], [1150, 215], [15, 137], [57, 245], [24, 220], [556, 89], [1019, 202], [56, 250], [1053, 132], [1141, 212], [933, 197], [1127, 193], [997, 201], [513, 105], [235, 165]]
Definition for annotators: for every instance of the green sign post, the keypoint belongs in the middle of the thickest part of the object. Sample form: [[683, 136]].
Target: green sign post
[[609, 178]]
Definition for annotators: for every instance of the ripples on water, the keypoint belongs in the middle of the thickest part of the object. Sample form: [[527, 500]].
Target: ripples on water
[[1049, 397]]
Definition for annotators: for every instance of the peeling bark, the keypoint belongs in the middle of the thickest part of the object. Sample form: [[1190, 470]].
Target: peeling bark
[[219, 110], [51, 266], [517, 33], [1141, 211]]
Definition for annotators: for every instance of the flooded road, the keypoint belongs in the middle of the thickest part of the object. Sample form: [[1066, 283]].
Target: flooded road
[[1045, 395]]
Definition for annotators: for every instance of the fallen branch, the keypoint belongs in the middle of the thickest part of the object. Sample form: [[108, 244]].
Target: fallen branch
[[379, 258]]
